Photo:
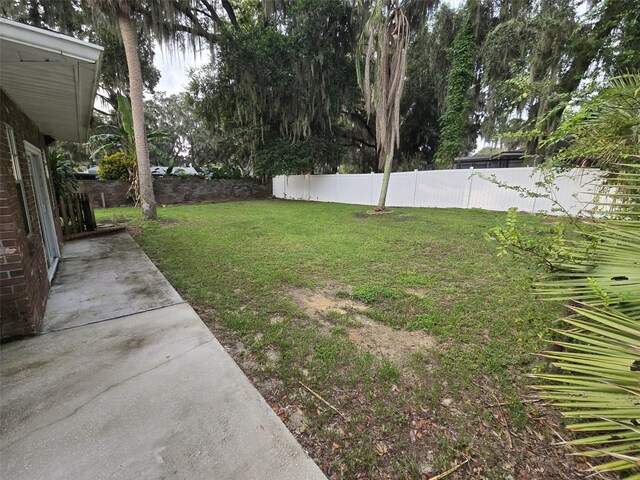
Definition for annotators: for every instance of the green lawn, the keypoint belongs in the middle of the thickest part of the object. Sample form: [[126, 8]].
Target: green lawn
[[407, 323]]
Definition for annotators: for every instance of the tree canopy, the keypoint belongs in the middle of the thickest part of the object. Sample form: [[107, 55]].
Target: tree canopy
[[281, 93]]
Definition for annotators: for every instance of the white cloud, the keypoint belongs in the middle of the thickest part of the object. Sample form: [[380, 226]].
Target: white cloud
[[173, 66]]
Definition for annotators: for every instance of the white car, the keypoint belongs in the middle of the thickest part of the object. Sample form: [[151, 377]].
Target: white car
[[184, 171]]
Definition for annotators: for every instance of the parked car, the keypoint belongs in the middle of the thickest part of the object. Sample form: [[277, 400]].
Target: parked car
[[158, 170], [184, 171]]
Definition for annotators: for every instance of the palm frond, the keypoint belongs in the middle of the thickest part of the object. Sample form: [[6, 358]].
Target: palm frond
[[607, 272], [599, 386]]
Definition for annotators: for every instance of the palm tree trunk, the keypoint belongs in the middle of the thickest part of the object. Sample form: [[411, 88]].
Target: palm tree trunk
[[129, 40], [388, 162]]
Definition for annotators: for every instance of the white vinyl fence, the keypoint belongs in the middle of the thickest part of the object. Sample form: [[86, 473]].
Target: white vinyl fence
[[443, 188]]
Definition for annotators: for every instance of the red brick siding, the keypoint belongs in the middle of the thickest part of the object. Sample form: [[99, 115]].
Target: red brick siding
[[24, 285]]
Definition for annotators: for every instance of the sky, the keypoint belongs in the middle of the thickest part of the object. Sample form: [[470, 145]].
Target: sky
[[174, 66]]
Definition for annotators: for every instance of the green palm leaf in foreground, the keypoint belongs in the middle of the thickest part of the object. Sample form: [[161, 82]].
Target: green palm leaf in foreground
[[599, 387], [598, 275], [606, 273], [606, 276]]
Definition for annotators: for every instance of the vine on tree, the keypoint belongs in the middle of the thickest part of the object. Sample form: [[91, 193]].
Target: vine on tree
[[457, 101]]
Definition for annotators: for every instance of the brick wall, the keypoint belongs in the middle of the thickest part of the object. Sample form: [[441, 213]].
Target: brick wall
[[113, 193], [106, 193], [24, 284]]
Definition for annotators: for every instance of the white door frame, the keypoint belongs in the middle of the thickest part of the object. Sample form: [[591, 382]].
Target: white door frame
[[46, 219]]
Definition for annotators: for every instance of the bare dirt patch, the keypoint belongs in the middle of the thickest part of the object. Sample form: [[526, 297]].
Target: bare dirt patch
[[317, 303], [369, 213], [525, 453], [379, 339], [396, 345], [418, 292]]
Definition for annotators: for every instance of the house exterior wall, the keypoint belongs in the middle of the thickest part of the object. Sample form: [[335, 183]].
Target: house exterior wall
[[24, 284]]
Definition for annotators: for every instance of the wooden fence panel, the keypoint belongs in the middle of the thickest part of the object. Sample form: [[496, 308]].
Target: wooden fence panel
[[76, 214]]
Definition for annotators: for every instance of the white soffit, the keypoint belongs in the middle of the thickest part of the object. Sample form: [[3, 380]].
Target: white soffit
[[52, 78]]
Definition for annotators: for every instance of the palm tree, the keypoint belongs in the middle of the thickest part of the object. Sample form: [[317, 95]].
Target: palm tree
[[160, 19], [606, 130], [596, 380], [384, 42], [123, 11], [130, 42]]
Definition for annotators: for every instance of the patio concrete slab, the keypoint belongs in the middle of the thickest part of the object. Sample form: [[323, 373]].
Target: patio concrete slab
[[105, 277], [147, 395]]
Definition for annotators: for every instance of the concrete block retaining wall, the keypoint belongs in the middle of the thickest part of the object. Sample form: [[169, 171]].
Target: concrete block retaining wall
[[168, 190]]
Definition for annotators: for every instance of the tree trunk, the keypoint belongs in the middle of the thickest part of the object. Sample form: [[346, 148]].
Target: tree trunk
[[388, 162], [129, 40]]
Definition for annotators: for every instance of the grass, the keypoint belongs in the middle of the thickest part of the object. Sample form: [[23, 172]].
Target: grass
[[243, 265]]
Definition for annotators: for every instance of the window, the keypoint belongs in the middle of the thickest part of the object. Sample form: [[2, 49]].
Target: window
[[17, 175]]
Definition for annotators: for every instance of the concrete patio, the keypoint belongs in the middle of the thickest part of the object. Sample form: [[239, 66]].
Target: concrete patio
[[127, 382]]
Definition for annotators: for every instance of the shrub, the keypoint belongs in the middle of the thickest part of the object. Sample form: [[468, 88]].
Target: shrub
[[210, 172], [117, 167], [317, 154], [63, 169]]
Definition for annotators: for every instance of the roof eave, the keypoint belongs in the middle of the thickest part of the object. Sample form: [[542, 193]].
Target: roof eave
[[50, 41], [67, 47]]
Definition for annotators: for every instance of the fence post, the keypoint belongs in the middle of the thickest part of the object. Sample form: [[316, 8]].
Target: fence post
[[337, 186], [371, 200], [536, 189], [415, 186], [78, 213], [62, 205], [468, 188], [72, 214], [89, 216]]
